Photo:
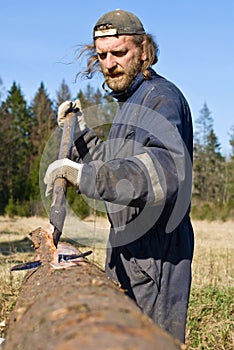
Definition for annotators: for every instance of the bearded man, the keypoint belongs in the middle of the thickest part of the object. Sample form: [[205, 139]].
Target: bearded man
[[142, 172]]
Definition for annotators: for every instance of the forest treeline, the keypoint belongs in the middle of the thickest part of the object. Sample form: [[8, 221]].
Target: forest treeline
[[25, 129]]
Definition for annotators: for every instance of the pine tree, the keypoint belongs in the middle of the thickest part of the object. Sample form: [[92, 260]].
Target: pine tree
[[99, 110], [15, 146], [208, 161], [87, 97], [43, 124], [44, 120], [4, 149], [229, 174], [203, 125], [62, 94], [215, 169], [1, 89]]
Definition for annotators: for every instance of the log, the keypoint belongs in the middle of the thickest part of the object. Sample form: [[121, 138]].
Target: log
[[77, 307]]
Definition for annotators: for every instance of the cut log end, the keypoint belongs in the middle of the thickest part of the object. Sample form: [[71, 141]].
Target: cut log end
[[43, 244], [48, 254]]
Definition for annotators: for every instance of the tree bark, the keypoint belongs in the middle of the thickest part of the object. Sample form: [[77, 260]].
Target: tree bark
[[77, 307]]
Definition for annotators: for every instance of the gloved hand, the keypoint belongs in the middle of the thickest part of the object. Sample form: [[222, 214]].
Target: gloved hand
[[68, 107], [62, 168]]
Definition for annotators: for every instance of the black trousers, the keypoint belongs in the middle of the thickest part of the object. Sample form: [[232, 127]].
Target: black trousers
[[156, 272]]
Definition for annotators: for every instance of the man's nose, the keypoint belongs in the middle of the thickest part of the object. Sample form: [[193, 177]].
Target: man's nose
[[110, 61]]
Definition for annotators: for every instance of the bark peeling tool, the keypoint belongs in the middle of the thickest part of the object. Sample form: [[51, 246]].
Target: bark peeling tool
[[58, 206]]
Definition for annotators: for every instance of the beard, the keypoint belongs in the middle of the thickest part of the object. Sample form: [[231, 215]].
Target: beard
[[119, 79]]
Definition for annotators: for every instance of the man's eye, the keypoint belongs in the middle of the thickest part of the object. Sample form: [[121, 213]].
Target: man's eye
[[119, 53], [102, 56]]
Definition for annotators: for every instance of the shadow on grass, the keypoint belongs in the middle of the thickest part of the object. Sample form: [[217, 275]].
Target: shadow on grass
[[25, 245], [17, 246]]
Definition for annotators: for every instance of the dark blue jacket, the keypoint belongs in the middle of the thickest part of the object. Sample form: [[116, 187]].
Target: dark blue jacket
[[143, 172], [145, 167]]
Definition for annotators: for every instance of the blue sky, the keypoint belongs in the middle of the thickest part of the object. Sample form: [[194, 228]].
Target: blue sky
[[196, 41]]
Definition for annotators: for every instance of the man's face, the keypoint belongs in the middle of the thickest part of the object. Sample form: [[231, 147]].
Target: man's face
[[120, 60]]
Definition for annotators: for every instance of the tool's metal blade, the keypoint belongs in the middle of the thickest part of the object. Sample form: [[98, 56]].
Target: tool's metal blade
[[69, 257], [26, 266], [61, 257]]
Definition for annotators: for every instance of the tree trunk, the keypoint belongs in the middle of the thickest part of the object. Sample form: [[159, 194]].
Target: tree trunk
[[77, 307]]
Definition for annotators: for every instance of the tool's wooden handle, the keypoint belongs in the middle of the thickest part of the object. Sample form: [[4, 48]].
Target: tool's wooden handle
[[58, 207]]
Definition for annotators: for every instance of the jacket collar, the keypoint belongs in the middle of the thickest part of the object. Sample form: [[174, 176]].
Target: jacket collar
[[124, 95]]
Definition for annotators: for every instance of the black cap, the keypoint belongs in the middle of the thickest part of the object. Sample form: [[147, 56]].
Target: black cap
[[118, 22]]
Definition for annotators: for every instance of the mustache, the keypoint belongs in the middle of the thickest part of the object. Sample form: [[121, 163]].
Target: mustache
[[110, 72]]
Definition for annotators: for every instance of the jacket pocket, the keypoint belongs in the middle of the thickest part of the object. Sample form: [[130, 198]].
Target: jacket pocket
[[145, 283], [144, 270]]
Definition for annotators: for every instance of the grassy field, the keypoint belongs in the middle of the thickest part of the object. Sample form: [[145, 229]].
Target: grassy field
[[210, 315], [210, 323]]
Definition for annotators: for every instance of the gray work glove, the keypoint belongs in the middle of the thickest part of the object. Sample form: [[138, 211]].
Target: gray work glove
[[68, 107], [62, 168]]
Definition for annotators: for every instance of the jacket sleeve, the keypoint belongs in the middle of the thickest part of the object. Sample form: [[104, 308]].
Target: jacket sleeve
[[148, 169], [88, 147], [110, 179]]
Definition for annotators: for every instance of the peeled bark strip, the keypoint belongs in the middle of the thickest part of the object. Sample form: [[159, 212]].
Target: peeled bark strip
[[77, 308]]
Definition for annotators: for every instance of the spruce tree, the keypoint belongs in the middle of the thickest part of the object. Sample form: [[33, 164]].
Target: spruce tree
[[62, 94], [229, 174], [43, 120], [43, 125], [15, 147], [208, 161]]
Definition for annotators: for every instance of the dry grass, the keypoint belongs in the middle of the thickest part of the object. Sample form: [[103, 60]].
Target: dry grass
[[213, 255], [210, 318]]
